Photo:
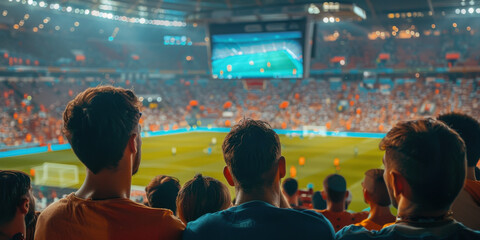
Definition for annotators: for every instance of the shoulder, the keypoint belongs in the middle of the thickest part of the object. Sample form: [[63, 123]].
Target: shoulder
[[360, 233], [206, 225]]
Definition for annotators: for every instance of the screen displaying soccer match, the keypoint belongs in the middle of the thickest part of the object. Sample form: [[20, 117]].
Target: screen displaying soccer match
[[257, 55]]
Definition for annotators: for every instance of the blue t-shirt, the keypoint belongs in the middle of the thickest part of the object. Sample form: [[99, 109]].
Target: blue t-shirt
[[260, 220], [451, 231]]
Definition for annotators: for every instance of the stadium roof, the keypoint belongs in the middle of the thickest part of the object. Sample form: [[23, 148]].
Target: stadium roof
[[179, 9]]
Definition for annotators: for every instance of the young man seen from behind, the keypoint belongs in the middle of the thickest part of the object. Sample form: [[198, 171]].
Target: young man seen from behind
[[255, 167], [424, 172], [102, 126]]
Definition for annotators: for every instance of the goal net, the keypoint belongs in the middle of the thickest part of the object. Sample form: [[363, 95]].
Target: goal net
[[56, 174], [311, 130]]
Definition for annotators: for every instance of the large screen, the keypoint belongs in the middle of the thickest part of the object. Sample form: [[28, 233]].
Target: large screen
[[266, 52]]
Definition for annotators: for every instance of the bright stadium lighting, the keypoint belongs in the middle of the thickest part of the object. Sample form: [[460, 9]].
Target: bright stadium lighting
[[464, 11], [4, 13], [471, 10], [26, 17], [457, 11], [331, 19], [72, 29], [69, 9], [87, 11], [325, 20], [159, 99], [478, 10], [76, 24], [57, 28], [41, 4], [40, 26]]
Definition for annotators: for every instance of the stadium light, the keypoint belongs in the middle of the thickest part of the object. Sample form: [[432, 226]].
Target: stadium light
[[471, 10], [464, 11], [332, 19], [478, 10], [325, 20]]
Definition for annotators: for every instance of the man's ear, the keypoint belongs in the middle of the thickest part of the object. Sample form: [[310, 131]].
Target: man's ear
[[24, 206], [366, 197], [132, 143], [228, 176], [398, 183], [324, 195], [282, 168]]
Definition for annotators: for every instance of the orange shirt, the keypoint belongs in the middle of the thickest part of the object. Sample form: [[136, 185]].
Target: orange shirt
[[342, 219], [75, 218], [473, 188], [370, 225], [466, 207]]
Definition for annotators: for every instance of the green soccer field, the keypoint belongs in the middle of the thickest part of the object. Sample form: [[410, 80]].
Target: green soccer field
[[277, 63], [191, 158]]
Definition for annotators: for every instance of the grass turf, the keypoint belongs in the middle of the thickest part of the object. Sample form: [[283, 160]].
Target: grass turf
[[190, 159], [280, 65]]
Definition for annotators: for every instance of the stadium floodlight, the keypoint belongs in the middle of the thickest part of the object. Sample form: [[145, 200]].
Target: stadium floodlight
[[464, 11], [471, 10], [457, 11], [41, 4], [87, 11], [332, 19], [478, 10], [325, 19]]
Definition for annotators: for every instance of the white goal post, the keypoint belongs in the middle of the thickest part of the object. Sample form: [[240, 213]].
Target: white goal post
[[56, 174], [311, 130]]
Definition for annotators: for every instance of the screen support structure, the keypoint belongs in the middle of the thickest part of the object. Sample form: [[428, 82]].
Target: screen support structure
[[309, 27]]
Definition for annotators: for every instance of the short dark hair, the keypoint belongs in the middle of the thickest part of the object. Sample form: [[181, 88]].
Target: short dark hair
[[376, 188], [162, 192], [469, 130], [98, 124], [431, 157], [336, 186], [318, 201], [251, 149], [290, 186], [202, 195], [14, 186]]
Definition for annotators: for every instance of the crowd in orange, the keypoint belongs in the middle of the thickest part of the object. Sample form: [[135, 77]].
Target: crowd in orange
[[32, 111]]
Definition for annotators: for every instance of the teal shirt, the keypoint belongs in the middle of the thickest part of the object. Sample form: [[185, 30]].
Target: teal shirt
[[451, 231], [260, 220]]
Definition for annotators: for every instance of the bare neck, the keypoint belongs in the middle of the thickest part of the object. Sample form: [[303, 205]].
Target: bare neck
[[270, 194], [292, 200], [17, 225], [471, 173], [380, 215], [108, 183], [336, 206], [407, 208]]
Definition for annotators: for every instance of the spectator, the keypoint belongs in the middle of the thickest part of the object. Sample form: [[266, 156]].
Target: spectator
[[162, 192], [101, 125], [335, 194], [318, 201], [375, 194], [17, 205], [202, 195], [255, 167], [424, 172], [290, 191], [466, 207]]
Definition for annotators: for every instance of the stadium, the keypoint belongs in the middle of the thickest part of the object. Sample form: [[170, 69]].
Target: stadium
[[331, 78]]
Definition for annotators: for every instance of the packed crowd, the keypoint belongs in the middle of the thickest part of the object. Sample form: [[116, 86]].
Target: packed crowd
[[428, 175], [92, 48], [31, 111]]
